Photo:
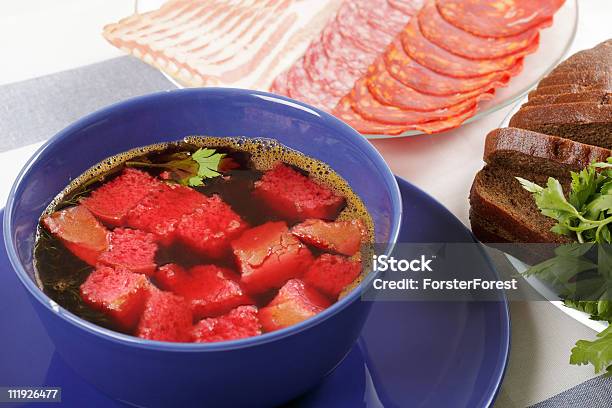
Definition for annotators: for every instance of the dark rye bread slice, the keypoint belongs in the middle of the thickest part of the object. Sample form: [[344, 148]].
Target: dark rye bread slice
[[569, 88], [584, 122], [501, 210], [525, 150], [599, 56], [497, 198], [582, 77], [599, 96]]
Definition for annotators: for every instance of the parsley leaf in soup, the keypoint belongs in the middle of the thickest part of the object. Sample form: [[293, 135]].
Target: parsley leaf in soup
[[208, 161], [189, 169]]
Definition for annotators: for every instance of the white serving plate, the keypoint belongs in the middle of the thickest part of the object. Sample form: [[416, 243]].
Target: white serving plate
[[537, 284], [555, 41]]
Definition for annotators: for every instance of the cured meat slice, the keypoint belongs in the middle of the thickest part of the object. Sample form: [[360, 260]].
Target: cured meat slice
[[445, 35], [345, 112], [439, 60], [344, 50], [384, 18], [412, 74], [279, 86], [390, 91], [368, 107], [409, 7], [239, 43], [443, 125], [301, 87], [352, 25], [328, 63], [498, 18]]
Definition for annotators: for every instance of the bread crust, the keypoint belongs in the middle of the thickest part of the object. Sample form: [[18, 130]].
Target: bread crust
[[598, 56], [598, 96], [496, 214], [576, 113], [568, 88], [569, 155], [591, 76]]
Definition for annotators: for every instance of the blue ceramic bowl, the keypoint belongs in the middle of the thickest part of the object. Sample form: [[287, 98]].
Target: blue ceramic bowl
[[260, 371]]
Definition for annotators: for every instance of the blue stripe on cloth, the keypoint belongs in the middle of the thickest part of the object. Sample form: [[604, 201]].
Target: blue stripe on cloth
[[595, 393]]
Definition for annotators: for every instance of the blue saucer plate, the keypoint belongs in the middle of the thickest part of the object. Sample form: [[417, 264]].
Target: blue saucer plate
[[410, 354]]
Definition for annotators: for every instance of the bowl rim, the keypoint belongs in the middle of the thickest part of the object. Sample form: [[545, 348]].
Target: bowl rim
[[129, 340]]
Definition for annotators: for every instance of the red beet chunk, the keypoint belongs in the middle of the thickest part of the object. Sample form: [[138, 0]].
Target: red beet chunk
[[294, 196], [80, 232], [268, 256], [330, 274], [343, 237], [210, 289], [162, 209], [118, 293], [166, 317], [239, 323], [295, 302], [112, 201], [210, 229], [132, 249]]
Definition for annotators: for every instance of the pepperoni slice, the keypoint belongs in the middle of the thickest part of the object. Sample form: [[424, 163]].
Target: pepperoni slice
[[410, 73], [446, 63], [498, 18], [445, 35], [345, 112], [445, 124], [389, 91], [369, 108]]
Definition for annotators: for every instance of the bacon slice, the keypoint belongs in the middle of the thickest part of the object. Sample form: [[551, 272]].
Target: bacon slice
[[238, 43]]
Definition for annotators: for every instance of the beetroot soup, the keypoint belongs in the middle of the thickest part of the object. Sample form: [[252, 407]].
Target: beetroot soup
[[202, 240]]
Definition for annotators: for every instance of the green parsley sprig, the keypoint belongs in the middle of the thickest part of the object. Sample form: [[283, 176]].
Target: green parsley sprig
[[586, 213], [586, 216], [189, 169]]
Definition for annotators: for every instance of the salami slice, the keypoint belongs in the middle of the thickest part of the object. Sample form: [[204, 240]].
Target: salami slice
[[445, 35], [410, 73], [389, 91], [345, 112], [408, 7], [446, 63], [300, 87], [369, 108], [384, 18], [498, 18], [344, 63], [316, 64], [354, 27], [279, 86]]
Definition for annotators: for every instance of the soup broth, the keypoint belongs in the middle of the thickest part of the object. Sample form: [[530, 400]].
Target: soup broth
[[64, 272]]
